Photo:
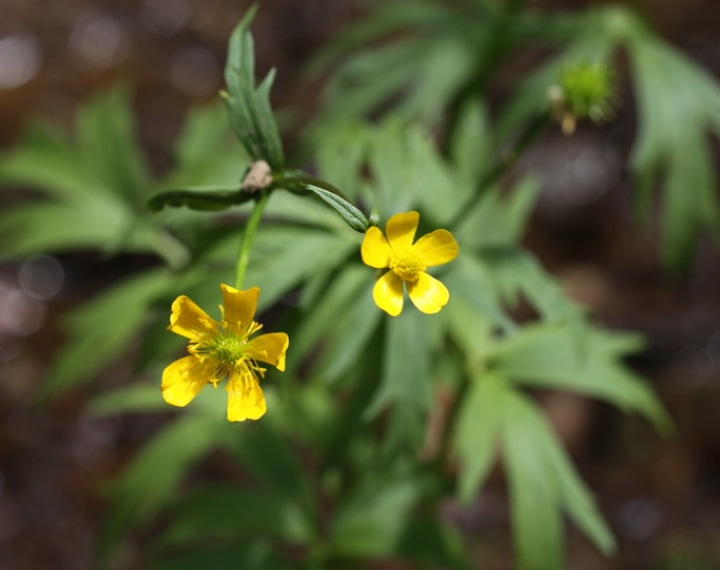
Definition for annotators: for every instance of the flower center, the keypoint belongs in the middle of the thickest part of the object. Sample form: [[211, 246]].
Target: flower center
[[406, 265], [228, 349]]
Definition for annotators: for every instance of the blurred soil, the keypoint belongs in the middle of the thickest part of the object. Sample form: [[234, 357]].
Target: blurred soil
[[662, 497]]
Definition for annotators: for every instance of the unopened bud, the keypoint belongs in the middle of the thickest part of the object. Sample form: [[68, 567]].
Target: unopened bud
[[584, 90]]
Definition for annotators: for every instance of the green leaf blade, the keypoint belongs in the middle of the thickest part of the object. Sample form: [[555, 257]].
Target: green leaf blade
[[478, 430]]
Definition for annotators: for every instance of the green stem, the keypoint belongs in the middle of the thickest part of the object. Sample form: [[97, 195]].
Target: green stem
[[172, 250], [248, 234]]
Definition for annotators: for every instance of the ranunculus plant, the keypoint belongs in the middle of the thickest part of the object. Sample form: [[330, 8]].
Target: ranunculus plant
[[385, 410]]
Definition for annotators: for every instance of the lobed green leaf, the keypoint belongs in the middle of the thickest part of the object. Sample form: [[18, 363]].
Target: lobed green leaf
[[102, 329], [248, 108], [371, 522]]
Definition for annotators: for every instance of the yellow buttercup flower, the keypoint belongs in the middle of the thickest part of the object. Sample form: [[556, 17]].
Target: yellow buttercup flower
[[407, 262], [221, 350]]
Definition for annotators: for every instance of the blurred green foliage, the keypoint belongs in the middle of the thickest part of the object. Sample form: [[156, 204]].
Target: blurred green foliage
[[408, 72], [339, 472]]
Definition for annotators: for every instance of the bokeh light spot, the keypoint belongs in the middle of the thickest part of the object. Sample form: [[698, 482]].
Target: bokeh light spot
[[20, 57], [98, 39], [41, 277], [20, 315]]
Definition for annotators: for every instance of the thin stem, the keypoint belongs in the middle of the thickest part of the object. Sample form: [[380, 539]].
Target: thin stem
[[248, 234], [172, 250]]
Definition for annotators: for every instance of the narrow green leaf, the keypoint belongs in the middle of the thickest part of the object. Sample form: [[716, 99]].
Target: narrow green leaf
[[576, 499], [500, 218], [205, 130], [102, 328], [202, 517], [265, 120], [478, 429], [207, 152], [63, 174], [283, 257], [473, 333], [52, 227], [533, 489], [432, 90], [515, 272], [152, 479], [408, 73], [347, 304], [543, 483], [339, 293], [531, 447], [203, 198], [256, 555], [137, 398], [349, 341], [341, 149], [545, 356], [267, 455], [403, 159], [351, 215], [436, 188], [107, 142], [347, 424], [370, 78], [430, 541], [679, 105], [370, 523], [469, 279], [405, 382], [249, 110], [472, 146], [384, 20], [240, 79], [298, 210]]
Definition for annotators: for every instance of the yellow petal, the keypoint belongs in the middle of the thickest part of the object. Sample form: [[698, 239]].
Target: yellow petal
[[428, 294], [269, 348], [436, 248], [190, 321], [183, 379], [375, 250], [246, 400], [401, 228], [239, 306], [388, 294]]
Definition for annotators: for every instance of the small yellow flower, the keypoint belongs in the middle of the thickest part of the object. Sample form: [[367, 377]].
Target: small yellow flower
[[407, 262], [223, 350]]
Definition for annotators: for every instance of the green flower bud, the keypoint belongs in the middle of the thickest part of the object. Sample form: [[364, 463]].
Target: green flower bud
[[584, 90]]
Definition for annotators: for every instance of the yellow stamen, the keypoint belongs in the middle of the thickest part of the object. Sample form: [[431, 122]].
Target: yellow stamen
[[406, 264]]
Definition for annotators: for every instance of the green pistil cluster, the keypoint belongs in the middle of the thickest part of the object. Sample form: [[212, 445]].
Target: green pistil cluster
[[584, 90], [228, 349], [588, 90]]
